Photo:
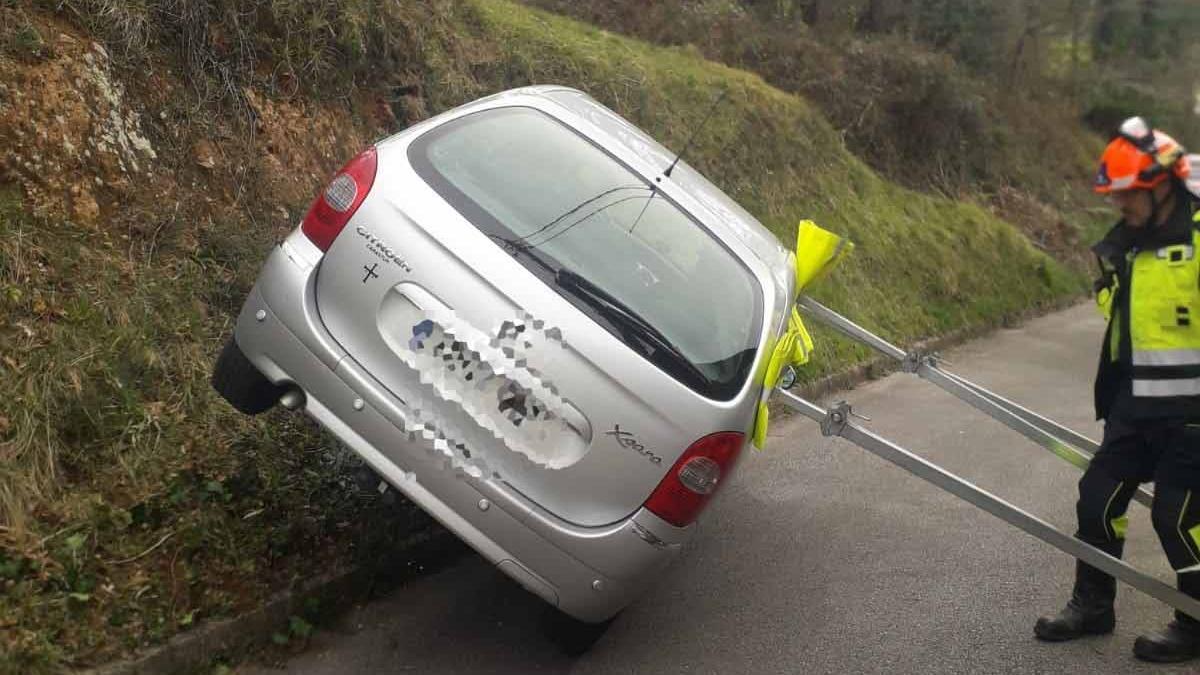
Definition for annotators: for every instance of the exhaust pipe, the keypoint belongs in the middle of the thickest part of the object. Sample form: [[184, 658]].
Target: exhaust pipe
[[292, 398]]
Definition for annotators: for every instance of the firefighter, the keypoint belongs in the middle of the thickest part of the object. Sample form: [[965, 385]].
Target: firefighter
[[1147, 387]]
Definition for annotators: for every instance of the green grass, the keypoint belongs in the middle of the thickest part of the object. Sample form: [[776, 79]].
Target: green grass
[[134, 503]]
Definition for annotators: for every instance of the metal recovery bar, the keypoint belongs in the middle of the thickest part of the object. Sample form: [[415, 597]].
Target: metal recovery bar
[[1067, 444], [836, 422], [1047, 425]]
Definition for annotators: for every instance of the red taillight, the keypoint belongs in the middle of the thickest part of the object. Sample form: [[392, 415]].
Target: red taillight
[[694, 478], [332, 209]]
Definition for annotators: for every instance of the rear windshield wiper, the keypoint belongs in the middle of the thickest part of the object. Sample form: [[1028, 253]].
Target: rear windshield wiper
[[576, 208], [625, 319]]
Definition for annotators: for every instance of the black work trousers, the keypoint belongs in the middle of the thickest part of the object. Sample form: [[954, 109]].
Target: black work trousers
[[1134, 452]]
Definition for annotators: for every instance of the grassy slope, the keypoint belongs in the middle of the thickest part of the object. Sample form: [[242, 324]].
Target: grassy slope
[[924, 265], [917, 116], [136, 503]]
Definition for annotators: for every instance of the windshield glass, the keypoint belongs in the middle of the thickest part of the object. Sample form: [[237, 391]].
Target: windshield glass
[[554, 200]]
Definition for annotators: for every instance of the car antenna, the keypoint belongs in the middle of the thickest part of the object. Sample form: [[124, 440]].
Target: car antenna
[[686, 146]]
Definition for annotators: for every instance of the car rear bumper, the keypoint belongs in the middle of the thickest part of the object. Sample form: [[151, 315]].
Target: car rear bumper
[[589, 573]]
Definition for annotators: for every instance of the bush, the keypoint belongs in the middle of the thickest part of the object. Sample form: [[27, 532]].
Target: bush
[[1110, 102]]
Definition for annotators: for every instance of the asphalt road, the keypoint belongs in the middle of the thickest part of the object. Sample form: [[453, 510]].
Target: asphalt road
[[821, 558]]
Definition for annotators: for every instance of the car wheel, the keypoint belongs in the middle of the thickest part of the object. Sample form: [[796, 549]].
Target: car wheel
[[572, 636], [240, 383]]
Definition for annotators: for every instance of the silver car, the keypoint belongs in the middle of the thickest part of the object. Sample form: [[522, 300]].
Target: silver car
[[520, 319]]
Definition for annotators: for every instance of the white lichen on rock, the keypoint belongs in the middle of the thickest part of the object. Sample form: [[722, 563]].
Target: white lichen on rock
[[120, 131]]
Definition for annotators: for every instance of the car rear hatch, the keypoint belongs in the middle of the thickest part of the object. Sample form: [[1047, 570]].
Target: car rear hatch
[[544, 317]]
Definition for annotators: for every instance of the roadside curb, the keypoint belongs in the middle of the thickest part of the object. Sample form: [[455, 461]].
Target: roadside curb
[[334, 592], [337, 591]]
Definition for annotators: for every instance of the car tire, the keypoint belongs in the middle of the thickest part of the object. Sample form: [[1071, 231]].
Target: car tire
[[570, 635], [237, 380]]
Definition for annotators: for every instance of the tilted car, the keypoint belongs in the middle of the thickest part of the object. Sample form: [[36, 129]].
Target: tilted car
[[524, 322]]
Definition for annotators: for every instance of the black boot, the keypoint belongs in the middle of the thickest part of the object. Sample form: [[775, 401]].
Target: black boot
[[1088, 612], [1177, 643], [1181, 639]]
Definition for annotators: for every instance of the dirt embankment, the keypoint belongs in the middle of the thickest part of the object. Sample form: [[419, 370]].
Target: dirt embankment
[[94, 144]]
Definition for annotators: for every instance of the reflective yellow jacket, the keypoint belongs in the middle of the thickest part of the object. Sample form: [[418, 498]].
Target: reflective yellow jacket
[[1150, 292]]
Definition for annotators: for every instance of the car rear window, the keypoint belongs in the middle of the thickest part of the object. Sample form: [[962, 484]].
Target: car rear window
[[556, 201]]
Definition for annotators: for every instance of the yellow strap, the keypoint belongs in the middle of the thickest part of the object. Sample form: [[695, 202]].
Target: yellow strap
[[817, 251], [804, 341]]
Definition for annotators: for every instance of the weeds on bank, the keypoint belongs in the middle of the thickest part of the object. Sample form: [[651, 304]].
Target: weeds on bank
[[134, 502]]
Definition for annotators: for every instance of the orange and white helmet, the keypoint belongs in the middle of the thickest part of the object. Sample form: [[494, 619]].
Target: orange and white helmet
[[1139, 157]]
